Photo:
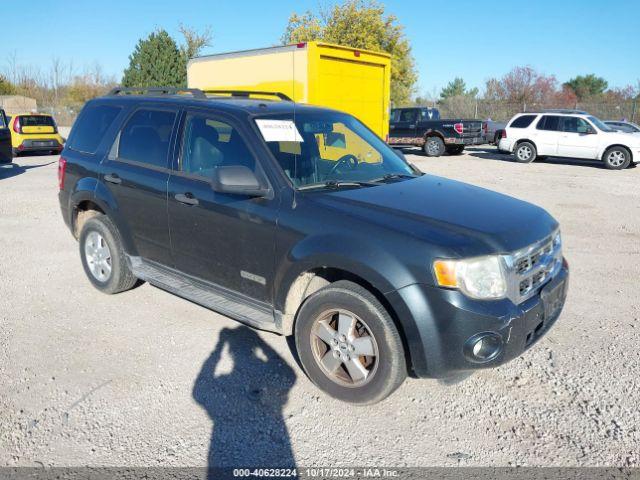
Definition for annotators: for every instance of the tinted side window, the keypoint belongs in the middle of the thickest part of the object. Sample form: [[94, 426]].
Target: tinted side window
[[3, 122], [522, 122], [549, 122], [395, 115], [408, 115], [574, 125], [93, 123], [145, 137], [209, 143], [623, 127]]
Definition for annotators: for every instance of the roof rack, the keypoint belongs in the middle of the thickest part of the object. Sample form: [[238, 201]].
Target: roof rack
[[564, 110], [248, 93], [195, 92]]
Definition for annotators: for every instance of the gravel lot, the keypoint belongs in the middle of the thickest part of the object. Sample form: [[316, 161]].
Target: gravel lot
[[90, 379]]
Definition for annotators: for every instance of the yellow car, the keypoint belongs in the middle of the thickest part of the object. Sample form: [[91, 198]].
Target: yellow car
[[34, 132]]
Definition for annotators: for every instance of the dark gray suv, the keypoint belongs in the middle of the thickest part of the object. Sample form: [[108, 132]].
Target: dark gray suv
[[301, 221]]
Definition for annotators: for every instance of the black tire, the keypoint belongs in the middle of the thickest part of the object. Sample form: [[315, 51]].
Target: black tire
[[15, 153], [120, 277], [433, 147], [388, 368], [616, 158], [525, 152], [456, 150], [496, 139]]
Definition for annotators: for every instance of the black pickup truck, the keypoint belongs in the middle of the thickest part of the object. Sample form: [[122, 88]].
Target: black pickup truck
[[5, 139], [423, 127]]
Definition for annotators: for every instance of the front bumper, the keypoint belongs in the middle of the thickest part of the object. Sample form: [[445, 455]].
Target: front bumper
[[441, 325]]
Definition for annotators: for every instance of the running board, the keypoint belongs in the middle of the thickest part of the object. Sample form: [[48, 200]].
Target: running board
[[232, 304]]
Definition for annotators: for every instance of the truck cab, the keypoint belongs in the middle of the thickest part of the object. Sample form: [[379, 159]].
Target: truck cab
[[423, 127]]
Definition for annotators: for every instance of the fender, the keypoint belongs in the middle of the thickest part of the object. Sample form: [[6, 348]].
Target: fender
[[93, 190], [601, 150]]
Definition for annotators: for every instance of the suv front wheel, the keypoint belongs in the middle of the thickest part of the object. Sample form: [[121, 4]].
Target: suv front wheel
[[617, 158], [525, 152], [103, 257], [348, 344]]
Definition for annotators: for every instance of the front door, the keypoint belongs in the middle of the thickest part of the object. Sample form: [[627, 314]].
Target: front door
[[136, 172], [225, 239], [578, 139]]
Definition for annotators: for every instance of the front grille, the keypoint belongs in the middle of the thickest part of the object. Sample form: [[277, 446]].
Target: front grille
[[534, 266]]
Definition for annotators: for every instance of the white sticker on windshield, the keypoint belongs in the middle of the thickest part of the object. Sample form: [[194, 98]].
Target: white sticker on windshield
[[279, 130]]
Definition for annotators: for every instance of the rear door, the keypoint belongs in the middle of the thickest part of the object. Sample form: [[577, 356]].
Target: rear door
[[5, 139], [403, 129], [547, 134], [575, 140], [137, 171]]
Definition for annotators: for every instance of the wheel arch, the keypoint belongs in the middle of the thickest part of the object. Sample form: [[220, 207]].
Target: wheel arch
[[433, 133], [312, 279], [619, 145], [90, 198]]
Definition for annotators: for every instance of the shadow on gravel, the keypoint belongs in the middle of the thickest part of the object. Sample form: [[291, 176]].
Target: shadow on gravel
[[246, 404], [505, 157], [8, 170]]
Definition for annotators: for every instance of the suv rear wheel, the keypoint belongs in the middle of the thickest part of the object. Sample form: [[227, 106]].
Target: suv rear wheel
[[348, 344], [616, 158], [434, 147], [103, 257], [525, 152]]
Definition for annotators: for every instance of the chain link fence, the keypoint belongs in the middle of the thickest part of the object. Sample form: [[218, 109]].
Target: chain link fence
[[465, 107]]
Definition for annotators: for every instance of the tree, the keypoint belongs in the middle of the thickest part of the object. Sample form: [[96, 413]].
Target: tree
[[6, 87], [361, 24], [194, 42], [522, 85], [156, 61], [585, 86], [456, 88]]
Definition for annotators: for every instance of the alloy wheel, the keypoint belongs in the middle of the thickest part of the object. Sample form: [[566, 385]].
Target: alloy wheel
[[344, 348], [524, 153], [98, 256], [616, 158]]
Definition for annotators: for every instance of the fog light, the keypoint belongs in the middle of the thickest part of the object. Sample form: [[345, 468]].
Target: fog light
[[483, 347]]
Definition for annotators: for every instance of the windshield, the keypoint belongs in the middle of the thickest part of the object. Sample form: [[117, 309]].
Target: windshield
[[600, 124], [328, 148], [3, 124]]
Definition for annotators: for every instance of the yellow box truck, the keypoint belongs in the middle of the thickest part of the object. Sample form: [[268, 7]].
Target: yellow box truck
[[348, 79]]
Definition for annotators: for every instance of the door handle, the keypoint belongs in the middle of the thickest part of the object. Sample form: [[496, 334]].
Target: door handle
[[186, 198], [412, 126], [113, 178]]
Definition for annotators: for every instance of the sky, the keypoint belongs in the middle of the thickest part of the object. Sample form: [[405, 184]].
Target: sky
[[472, 39]]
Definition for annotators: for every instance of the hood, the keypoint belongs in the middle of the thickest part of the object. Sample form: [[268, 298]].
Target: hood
[[626, 138], [457, 216]]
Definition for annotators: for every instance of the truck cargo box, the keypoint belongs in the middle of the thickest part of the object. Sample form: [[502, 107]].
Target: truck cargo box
[[347, 79]]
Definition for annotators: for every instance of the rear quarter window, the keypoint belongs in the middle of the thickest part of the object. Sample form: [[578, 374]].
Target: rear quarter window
[[523, 121], [91, 125]]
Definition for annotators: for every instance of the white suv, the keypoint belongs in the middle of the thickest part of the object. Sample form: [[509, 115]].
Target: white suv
[[568, 133]]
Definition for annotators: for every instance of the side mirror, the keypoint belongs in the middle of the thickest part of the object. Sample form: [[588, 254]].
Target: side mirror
[[590, 131], [238, 180]]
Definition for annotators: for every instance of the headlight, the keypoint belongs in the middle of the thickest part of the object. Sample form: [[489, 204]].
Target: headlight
[[482, 277]]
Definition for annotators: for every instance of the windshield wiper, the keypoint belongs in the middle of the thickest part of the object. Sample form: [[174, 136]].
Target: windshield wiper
[[391, 176], [338, 184]]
